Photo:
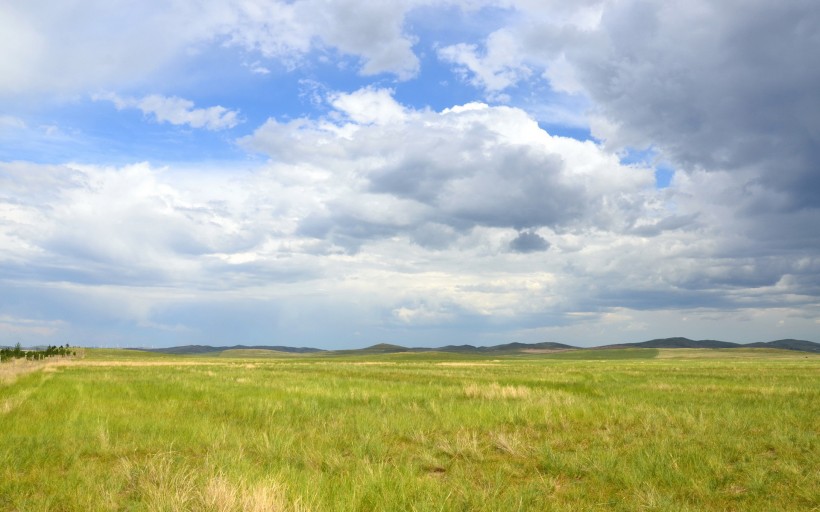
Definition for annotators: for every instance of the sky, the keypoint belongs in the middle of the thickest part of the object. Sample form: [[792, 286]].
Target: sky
[[340, 173]]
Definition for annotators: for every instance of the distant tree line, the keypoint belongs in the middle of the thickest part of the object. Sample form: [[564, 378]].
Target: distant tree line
[[17, 352]]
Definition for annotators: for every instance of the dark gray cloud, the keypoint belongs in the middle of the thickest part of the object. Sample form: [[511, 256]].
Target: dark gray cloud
[[519, 188], [715, 85], [736, 273], [657, 299], [344, 230], [529, 241]]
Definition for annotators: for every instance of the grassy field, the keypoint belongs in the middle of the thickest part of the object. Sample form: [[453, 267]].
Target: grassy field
[[637, 429]]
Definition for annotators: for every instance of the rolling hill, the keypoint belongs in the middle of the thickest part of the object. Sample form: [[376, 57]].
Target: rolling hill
[[508, 348]]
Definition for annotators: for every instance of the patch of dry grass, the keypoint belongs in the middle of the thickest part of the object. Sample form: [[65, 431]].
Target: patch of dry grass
[[10, 371], [495, 391], [223, 495], [163, 484], [9, 404], [510, 443], [466, 364]]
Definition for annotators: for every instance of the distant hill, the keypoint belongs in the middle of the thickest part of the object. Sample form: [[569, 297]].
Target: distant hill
[[801, 345], [507, 348], [388, 348], [384, 348], [676, 343]]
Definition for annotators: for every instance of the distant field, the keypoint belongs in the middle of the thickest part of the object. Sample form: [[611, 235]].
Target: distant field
[[256, 353], [628, 429]]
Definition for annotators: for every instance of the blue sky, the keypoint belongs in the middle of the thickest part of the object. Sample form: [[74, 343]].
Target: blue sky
[[341, 173]]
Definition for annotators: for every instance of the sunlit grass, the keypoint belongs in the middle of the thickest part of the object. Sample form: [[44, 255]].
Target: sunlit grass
[[424, 431]]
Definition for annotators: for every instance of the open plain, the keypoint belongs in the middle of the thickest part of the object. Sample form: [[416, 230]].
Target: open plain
[[628, 429]]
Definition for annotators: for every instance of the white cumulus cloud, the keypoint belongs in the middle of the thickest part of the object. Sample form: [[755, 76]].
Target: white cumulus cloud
[[176, 111]]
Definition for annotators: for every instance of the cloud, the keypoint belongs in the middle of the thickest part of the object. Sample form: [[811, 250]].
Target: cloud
[[531, 45], [305, 250], [35, 329], [74, 46], [117, 226], [731, 106], [655, 227], [91, 45], [737, 94], [498, 68], [368, 106], [462, 167], [529, 241], [176, 111], [369, 218], [287, 31], [461, 180], [373, 31], [22, 48], [422, 314], [331, 219]]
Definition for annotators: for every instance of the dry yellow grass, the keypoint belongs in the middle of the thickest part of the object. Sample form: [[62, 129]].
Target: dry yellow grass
[[223, 495], [464, 445], [164, 486], [466, 364], [9, 404], [10, 371], [510, 443], [495, 391]]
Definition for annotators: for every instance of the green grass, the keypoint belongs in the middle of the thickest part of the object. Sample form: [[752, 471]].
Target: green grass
[[114, 354], [638, 429], [252, 353], [605, 354]]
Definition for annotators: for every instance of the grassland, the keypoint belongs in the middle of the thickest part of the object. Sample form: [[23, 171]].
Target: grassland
[[636, 429]]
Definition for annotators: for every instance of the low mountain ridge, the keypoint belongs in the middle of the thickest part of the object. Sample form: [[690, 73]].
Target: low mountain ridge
[[677, 343], [788, 344], [508, 348]]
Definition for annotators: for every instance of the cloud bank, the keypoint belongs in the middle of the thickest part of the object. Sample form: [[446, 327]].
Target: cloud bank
[[527, 208]]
